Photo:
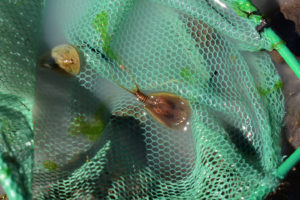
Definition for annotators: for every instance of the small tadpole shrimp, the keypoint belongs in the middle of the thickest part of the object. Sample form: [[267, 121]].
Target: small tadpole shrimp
[[64, 57], [169, 109]]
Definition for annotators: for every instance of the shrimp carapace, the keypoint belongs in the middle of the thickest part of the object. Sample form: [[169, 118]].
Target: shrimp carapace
[[63, 57]]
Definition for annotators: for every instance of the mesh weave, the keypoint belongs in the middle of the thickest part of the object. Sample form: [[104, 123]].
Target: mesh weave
[[94, 140]]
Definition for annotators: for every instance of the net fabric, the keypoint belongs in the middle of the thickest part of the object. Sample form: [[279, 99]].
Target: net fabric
[[94, 140], [16, 142], [19, 27]]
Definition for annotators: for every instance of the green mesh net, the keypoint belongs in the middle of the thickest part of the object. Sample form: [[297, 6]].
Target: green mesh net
[[95, 140]]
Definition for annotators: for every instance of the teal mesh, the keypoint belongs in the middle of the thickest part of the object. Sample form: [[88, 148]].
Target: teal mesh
[[94, 140], [19, 31]]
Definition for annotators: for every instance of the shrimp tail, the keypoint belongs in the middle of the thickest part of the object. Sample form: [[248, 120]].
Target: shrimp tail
[[121, 86], [132, 77]]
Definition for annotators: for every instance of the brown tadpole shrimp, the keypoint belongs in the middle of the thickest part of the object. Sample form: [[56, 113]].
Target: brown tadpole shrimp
[[167, 108], [64, 57]]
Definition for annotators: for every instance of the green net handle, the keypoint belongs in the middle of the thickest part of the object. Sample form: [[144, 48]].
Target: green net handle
[[246, 7], [282, 49], [288, 164], [9, 185], [280, 173]]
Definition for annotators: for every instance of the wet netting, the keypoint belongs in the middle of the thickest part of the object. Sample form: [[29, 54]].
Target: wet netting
[[92, 139]]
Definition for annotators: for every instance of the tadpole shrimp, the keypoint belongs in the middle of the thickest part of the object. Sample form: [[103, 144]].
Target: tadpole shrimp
[[167, 108], [64, 57]]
